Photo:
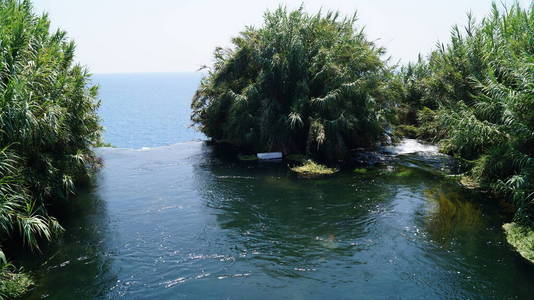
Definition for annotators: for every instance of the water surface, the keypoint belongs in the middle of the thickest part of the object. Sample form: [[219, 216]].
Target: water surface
[[147, 109], [180, 222], [172, 221]]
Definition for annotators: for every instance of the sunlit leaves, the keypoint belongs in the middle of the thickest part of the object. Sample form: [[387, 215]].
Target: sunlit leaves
[[48, 123], [481, 88]]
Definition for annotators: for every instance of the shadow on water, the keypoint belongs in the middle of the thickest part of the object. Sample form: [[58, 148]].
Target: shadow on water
[[79, 264], [464, 228], [451, 215]]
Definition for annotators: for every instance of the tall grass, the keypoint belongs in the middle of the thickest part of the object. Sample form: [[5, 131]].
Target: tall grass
[[476, 96], [48, 123]]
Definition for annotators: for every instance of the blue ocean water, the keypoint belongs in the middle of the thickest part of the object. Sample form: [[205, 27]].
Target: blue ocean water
[[147, 109]]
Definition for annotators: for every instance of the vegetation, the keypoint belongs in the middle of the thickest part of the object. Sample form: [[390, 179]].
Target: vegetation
[[408, 131], [301, 83], [312, 169], [13, 284], [475, 96], [313, 84], [522, 238], [101, 144], [360, 171], [249, 157], [48, 123]]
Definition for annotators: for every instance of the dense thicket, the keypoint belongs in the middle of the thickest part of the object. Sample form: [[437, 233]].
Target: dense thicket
[[301, 83], [48, 123], [476, 96]]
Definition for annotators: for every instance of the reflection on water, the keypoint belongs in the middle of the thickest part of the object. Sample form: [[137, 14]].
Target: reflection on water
[[289, 225], [184, 222], [450, 214], [81, 257]]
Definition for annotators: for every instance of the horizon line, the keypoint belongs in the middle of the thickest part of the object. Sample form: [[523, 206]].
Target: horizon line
[[146, 72]]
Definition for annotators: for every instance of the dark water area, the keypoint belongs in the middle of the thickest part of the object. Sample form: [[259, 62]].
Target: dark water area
[[181, 222]]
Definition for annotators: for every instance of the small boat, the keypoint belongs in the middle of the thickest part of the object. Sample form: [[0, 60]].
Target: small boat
[[270, 155]]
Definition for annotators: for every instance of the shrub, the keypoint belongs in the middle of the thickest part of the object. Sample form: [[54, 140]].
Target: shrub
[[521, 238], [13, 284], [300, 83], [480, 87], [48, 123], [408, 131], [312, 169]]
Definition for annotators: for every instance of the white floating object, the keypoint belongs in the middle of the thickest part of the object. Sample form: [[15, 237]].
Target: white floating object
[[269, 155]]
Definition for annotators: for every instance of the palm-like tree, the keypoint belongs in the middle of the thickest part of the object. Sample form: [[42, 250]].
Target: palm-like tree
[[48, 122], [300, 83], [19, 213], [481, 86]]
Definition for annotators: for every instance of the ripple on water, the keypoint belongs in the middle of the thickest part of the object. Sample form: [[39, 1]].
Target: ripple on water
[[187, 224]]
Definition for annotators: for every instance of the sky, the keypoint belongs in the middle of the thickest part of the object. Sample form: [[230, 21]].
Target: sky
[[123, 36]]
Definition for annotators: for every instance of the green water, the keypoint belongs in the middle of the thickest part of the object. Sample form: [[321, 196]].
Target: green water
[[180, 222]]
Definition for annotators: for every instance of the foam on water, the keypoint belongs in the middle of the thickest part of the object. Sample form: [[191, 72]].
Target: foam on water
[[407, 146]]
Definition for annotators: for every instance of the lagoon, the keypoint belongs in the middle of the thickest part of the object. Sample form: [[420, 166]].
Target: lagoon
[[168, 217]]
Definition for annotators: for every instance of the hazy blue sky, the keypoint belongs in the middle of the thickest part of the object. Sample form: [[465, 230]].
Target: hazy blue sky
[[180, 35]]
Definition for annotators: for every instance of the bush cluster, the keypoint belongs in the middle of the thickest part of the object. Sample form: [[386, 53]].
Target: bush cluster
[[309, 84], [48, 124]]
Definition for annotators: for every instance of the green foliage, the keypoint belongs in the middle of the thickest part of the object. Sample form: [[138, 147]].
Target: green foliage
[[428, 127], [413, 96], [250, 157], [101, 144], [521, 238], [479, 94], [312, 169], [299, 84], [360, 171], [408, 131], [405, 172], [19, 212], [48, 123], [13, 283]]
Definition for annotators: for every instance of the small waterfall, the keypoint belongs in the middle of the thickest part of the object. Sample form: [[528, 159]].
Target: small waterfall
[[410, 146]]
